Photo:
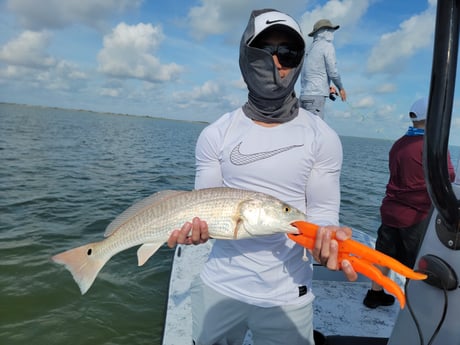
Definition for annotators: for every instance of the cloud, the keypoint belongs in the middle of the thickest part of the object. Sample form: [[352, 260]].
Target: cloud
[[240, 84], [64, 76], [386, 111], [365, 102], [68, 70], [344, 13], [14, 73], [28, 50], [394, 48], [104, 91], [127, 53], [27, 60], [455, 123], [209, 92], [208, 19], [229, 17], [386, 88], [52, 14]]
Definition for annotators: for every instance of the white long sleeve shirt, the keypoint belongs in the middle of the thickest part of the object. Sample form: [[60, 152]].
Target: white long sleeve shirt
[[319, 67], [298, 162]]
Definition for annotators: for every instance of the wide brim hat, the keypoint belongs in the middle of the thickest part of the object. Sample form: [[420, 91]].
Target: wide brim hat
[[323, 23]]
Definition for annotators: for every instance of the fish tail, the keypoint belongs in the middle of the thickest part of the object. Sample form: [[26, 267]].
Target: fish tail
[[83, 264]]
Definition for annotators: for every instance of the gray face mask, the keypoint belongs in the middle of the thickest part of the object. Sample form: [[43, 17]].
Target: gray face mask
[[271, 98], [325, 34]]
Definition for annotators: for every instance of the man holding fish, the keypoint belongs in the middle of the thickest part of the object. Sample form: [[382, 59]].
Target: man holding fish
[[269, 145], [259, 170]]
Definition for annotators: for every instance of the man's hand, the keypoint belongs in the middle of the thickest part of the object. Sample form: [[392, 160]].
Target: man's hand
[[332, 93], [343, 95], [326, 250], [194, 232]]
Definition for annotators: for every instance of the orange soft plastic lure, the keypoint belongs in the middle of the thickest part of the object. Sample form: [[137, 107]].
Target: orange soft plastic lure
[[362, 258]]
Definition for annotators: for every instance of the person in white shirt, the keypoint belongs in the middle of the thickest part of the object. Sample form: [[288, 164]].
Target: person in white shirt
[[319, 71], [268, 145]]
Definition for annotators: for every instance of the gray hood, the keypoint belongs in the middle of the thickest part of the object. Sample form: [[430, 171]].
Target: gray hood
[[270, 99]]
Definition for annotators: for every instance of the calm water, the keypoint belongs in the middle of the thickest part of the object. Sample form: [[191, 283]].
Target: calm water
[[65, 175]]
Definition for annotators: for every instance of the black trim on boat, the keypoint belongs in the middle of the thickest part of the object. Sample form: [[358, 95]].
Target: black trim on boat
[[349, 340], [320, 339], [438, 123]]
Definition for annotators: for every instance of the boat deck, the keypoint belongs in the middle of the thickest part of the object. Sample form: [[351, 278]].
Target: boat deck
[[338, 308]]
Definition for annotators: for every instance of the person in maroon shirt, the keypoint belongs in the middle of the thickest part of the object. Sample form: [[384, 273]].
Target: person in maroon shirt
[[407, 205]]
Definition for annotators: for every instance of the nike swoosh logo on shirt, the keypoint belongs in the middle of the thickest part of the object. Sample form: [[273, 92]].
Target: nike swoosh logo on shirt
[[238, 158], [268, 22]]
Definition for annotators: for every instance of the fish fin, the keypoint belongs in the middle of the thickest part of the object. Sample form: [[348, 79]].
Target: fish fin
[[146, 251], [82, 263], [138, 208]]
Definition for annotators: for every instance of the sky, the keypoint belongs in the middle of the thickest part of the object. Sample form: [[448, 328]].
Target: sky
[[178, 59]]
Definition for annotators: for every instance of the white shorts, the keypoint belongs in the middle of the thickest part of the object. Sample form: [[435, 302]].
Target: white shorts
[[220, 320]]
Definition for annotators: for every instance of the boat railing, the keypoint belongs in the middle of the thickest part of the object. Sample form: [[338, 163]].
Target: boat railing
[[439, 115]]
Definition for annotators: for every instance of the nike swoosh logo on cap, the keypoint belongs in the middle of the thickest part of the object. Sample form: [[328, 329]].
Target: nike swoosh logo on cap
[[268, 22], [238, 158]]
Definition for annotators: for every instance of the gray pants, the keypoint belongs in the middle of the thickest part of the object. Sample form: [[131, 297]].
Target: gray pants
[[314, 104], [220, 320]]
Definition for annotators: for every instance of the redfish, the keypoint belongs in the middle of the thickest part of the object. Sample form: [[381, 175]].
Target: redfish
[[230, 213]]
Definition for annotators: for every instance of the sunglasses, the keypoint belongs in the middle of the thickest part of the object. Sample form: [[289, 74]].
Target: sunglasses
[[288, 56]]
